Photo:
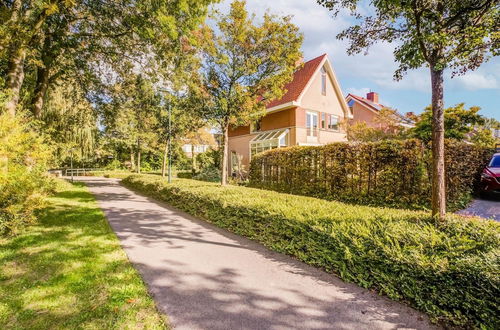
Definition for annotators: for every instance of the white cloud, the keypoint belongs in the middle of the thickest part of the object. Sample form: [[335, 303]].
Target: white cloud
[[359, 91], [476, 80], [376, 69]]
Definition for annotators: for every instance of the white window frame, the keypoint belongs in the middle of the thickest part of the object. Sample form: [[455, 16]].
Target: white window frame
[[338, 123], [323, 81], [312, 131], [269, 140]]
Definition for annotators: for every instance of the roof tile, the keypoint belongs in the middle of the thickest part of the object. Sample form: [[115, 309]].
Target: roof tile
[[300, 79]]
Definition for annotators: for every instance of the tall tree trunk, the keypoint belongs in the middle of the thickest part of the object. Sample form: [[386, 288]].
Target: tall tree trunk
[[225, 147], [193, 160], [42, 83], [15, 78], [132, 160], [42, 77], [438, 164], [138, 168], [164, 163]]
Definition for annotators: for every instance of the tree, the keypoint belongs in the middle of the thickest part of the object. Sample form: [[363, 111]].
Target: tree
[[70, 121], [245, 66], [389, 126], [458, 123], [439, 34], [61, 36]]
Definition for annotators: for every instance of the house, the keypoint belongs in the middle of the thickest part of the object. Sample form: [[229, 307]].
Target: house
[[309, 114], [366, 109], [191, 150], [201, 141]]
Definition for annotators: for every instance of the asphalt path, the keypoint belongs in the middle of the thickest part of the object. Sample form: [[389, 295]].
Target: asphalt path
[[203, 277]]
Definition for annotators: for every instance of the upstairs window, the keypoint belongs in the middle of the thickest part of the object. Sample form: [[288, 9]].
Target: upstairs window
[[323, 81], [351, 106]]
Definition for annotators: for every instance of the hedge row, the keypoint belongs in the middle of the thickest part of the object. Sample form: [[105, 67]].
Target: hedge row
[[448, 271], [389, 173]]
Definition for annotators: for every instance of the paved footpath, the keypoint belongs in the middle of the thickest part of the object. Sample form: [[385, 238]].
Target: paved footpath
[[203, 277]]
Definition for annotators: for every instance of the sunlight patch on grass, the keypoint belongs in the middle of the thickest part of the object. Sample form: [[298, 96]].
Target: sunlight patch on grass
[[69, 271]]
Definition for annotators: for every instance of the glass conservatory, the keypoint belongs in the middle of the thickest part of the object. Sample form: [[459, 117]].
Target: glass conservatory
[[269, 140]]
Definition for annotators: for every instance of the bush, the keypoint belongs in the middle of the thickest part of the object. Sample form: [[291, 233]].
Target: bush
[[387, 173], [184, 175], [23, 179], [114, 165], [210, 174], [448, 271]]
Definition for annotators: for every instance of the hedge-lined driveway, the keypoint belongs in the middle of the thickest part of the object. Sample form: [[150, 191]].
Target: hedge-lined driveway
[[204, 277]]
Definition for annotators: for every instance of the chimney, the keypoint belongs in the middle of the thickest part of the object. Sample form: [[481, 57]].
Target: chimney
[[372, 96]]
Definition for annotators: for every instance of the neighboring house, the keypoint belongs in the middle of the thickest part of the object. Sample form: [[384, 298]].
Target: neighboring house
[[310, 113], [367, 109], [196, 149], [200, 141]]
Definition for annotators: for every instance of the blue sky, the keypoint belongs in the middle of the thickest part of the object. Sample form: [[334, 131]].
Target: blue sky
[[360, 74]]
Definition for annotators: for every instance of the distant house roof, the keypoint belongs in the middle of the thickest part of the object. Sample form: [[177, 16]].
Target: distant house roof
[[299, 83], [367, 103], [376, 107]]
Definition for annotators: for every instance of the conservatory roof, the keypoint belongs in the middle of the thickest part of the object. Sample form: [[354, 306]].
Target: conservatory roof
[[270, 135]]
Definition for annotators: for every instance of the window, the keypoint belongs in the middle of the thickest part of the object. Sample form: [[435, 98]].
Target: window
[[334, 123], [312, 123], [323, 120], [351, 106], [323, 81], [268, 140], [235, 163], [495, 162]]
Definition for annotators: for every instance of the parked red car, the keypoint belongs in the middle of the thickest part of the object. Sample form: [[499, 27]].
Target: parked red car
[[490, 178]]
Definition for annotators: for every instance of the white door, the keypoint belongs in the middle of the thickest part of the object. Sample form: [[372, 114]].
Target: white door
[[312, 126]]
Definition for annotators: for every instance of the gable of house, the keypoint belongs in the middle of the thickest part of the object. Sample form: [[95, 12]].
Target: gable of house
[[306, 89]]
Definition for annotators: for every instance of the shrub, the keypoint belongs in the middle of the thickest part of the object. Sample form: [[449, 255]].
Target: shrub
[[23, 179], [114, 165], [389, 173], [448, 271], [210, 174], [184, 175]]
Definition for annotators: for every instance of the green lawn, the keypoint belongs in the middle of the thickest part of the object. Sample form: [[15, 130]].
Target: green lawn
[[69, 271]]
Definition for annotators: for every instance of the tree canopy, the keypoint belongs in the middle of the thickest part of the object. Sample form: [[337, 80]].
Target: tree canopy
[[245, 66]]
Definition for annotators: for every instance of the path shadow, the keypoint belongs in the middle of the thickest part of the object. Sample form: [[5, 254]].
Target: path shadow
[[217, 299]]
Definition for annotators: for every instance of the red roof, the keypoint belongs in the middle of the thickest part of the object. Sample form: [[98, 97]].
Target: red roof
[[300, 79], [366, 102]]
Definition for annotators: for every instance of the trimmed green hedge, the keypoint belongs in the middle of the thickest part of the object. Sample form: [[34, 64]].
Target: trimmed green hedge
[[448, 271], [387, 173]]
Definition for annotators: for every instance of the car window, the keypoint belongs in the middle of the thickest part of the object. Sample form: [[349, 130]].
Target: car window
[[495, 161]]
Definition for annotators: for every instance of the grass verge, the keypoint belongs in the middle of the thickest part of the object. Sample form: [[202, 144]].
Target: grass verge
[[449, 271], [68, 271]]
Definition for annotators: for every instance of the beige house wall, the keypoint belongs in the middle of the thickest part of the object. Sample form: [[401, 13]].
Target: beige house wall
[[240, 144], [363, 114], [314, 100]]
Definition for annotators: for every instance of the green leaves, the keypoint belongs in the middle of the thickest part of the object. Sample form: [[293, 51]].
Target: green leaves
[[442, 34], [246, 63]]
